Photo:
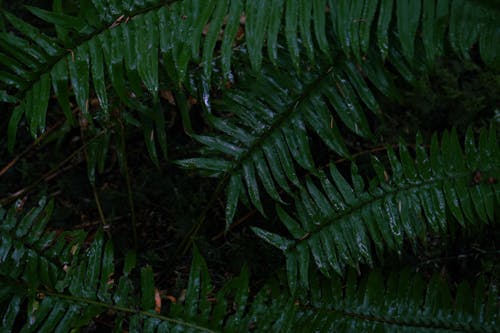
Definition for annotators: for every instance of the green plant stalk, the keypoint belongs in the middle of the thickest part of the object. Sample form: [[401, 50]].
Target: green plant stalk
[[94, 191], [129, 185], [104, 222]]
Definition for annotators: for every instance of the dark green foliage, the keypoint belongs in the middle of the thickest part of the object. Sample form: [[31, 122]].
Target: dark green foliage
[[339, 224], [402, 304], [267, 133], [101, 44], [288, 105], [64, 286]]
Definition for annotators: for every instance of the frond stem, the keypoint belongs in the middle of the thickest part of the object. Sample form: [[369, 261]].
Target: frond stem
[[129, 185], [34, 144], [235, 224], [371, 151], [123, 309], [94, 189], [105, 225]]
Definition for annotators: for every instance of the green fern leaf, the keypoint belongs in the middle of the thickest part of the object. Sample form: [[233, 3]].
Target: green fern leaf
[[65, 287], [402, 302], [342, 224], [268, 131], [177, 36]]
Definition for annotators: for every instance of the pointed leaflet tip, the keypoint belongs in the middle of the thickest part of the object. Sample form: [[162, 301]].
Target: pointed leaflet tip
[[233, 193], [252, 186], [275, 240], [14, 120], [147, 288]]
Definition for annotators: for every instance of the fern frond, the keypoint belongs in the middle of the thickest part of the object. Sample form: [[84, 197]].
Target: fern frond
[[338, 224], [48, 282], [398, 302], [266, 123], [31, 258], [134, 39], [104, 46]]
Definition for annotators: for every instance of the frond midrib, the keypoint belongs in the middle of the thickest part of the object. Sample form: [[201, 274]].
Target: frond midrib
[[283, 118], [353, 210], [132, 311]]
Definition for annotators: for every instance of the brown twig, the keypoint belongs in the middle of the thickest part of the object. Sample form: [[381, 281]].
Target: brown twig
[[49, 174], [92, 183], [235, 224], [34, 144]]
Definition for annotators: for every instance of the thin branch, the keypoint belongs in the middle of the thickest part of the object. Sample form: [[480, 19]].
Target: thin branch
[[34, 144], [49, 174], [94, 189], [235, 224]]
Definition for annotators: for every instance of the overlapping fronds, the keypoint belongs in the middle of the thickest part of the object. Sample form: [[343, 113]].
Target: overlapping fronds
[[30, 259], [49, 282], [268, 120], [306, 74], [133, 44], [338, 223]]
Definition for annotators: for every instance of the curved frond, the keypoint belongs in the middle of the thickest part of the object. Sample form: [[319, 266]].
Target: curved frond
[[337, 223], [129, 45]]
